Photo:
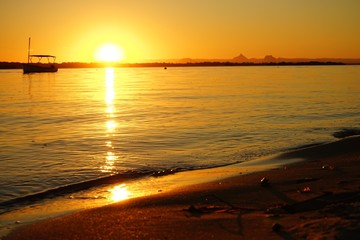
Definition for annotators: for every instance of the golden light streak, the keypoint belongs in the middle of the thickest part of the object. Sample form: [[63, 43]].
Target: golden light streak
[[111, 123]]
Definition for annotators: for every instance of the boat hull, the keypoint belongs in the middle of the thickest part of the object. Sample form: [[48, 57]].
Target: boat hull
[[36, 68]]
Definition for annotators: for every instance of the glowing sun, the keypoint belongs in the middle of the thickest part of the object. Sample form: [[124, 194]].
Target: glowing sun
[[109, 53]]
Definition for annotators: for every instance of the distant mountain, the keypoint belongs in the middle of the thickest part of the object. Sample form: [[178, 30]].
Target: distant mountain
[[268, 59], [240, 59]]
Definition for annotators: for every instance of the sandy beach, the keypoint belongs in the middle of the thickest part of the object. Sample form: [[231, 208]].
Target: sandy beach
[[317, 198]]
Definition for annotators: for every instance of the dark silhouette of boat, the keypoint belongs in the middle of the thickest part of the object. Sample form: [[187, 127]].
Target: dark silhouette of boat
[[39, 67]]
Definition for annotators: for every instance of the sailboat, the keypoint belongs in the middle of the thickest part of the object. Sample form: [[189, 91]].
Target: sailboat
[[39, 66]]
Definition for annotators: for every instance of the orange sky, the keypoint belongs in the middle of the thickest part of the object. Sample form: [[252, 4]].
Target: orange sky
[[167, 29]]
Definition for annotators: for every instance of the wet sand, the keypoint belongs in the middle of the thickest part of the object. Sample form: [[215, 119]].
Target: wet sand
[[318, 198]]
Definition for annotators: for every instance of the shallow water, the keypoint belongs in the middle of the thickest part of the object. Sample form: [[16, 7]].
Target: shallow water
[[77, 125]]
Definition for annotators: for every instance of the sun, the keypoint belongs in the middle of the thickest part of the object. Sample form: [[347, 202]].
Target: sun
[[109, 52]]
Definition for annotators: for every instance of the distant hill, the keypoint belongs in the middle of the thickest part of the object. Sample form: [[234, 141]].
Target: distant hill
[[240, 58], [271, 59]]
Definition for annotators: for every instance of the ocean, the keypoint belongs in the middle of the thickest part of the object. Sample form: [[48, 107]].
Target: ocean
[[79, 128]]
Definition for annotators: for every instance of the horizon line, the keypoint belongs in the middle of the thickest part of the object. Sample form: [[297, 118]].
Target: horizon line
[[238, 59]]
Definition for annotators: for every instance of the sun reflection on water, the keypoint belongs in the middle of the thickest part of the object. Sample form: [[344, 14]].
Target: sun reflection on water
[[110, 123], [109, 83]]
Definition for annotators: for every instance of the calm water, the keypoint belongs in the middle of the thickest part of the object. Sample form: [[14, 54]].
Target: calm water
[[77, 125]]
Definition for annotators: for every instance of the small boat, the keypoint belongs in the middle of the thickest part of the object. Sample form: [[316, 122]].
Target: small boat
[[39, 66]]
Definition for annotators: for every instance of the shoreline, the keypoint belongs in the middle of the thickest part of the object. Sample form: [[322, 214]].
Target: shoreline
[[234, 204], [58, 203], [39, 209]]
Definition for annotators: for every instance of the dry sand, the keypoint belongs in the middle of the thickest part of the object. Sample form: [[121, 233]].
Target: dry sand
[[315, 199]]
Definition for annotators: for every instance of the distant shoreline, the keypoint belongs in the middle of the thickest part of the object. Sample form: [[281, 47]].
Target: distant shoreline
[[18, 65]]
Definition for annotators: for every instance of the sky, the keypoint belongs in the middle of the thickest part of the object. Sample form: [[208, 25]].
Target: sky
[[148, 30]]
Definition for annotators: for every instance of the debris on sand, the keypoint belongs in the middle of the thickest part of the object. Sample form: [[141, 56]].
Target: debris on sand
[[264, 182]]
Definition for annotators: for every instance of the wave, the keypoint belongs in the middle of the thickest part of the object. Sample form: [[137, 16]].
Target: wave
[[71, 188], [304, 146], [31, 199], [346, 132], [136, 174]]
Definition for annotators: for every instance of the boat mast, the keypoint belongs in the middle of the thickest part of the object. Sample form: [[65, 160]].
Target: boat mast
[[29, 50]]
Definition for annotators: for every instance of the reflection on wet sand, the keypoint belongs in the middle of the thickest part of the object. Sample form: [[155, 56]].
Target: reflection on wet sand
[[119, 193]]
